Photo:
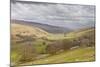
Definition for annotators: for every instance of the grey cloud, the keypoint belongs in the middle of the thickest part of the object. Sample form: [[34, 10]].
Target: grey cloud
[[53, 14]]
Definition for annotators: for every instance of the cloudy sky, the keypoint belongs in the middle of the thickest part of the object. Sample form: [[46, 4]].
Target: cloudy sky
[[54, 14]]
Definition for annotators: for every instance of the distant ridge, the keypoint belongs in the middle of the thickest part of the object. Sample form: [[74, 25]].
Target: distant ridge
[[46, 27]]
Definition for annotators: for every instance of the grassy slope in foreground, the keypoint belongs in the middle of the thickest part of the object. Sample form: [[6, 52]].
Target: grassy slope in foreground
[[75, 55]]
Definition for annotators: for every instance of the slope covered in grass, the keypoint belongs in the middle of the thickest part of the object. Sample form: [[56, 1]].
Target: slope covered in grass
[[18, 30], [75, 55]]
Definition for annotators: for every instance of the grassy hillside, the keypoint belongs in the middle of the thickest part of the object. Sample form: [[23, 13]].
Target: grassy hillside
[[20, 32], [75, 55], [32, 45]]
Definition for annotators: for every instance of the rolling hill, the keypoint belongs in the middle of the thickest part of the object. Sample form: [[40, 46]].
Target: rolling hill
[[20, 32]]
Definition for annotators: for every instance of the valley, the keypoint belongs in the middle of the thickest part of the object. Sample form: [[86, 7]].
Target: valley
[[34, 45]]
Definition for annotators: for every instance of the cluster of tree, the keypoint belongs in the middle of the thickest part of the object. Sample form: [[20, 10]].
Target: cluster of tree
[[25, 38], [87, 40]]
